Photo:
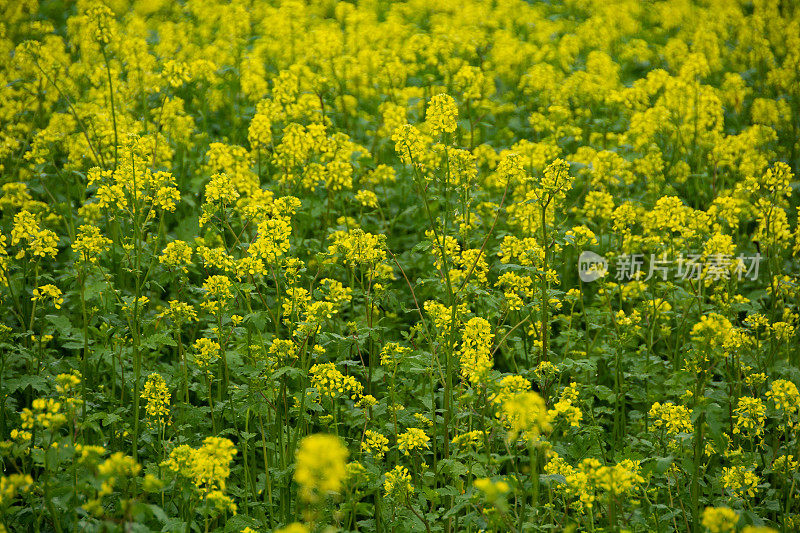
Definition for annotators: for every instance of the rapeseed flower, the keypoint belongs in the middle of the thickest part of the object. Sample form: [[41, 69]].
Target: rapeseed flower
[[50, 292], [475, 353], [375, 444], [441, 114], [740, 481], [413, 439], [720, 519], [749, 415], [207, 353], [327, 379], [90, 243], [320, 467], [672, 419], [157, 396], [525, 416], [398, 483]]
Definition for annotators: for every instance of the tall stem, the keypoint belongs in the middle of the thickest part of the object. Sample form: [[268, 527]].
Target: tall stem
[[137, 362], [85, 362], [113, 110], [543, 284]]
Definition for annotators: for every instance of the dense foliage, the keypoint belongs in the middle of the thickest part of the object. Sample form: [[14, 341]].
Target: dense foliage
[[322, 266]]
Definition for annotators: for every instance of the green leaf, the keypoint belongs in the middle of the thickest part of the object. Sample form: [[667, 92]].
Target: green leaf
[[37, 383]]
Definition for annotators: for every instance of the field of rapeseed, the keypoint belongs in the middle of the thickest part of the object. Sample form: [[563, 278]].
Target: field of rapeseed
[[399, 266]]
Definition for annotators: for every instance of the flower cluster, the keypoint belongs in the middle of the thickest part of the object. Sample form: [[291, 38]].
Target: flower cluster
[[398, 483], [327, 379], [475, 352], [413, 439], [320, 466], [207, 353], [671, 419], [442, 114], [525, 416], [90, 243], [207, 467], [157, 396], [375, 443], [50, 292]]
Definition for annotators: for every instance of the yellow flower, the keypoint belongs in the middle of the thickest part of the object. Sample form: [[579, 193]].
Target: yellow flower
[[620, 478], [48, 291], [115, 467], [424, 420], [398, 482], [442, 316], [217, 293], [581, 236], [101, 23], [208, 353], [375, 444], [176, 73], [221, 190], [740, 481], [67, 388], [283, 349], [412, 439], [15, 196], [44, 413], [758, 529], [89, 452], [249, 266], [273, 239], [179, 313], [208, 466], [327, 379], [357, 247], [786, 397], [367, 198], [442, 114], [260, 131], [366, 401], [674, 419], [212, 462], [720, 519], [525, 416], [176, 254], [392, 354], [216, 257], [320, 466], [554, 184], [90, 243], [712, 330], [509, 387], [566, 407], [785, 465], [471, 438], [410, 145], [12, 485], [473, 83], [157, 396], [598, 206], [750, 414], [475, 353], [151, 483], [119, 464], [491, 490]]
